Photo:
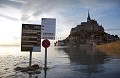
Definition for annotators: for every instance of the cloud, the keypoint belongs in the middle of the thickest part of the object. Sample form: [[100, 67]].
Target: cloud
[[11, 3], [9, 18], [68, 13], [41, 7], [25, 17], [56, 7]]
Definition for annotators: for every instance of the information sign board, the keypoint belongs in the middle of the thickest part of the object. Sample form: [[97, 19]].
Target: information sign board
[[48, 28], [31, 38]]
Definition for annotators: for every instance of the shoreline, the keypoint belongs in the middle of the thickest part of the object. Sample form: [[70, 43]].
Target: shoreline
[[112, 48]]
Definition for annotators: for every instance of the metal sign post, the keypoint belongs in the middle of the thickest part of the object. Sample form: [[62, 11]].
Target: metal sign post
[[45, 44], [45, 58], [30, 59]]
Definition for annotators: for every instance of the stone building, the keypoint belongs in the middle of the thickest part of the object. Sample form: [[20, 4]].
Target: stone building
[[88, 33]]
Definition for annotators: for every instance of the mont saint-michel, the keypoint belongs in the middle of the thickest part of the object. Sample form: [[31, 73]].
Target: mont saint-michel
[[88, 33]]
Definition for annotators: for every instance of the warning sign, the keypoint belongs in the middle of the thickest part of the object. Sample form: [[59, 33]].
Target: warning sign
[[31, 38]]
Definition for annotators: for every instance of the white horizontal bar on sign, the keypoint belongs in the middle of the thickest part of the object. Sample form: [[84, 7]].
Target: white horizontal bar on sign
[[48, 37], [27, 45], [29, 37], [30, 30], [30, 41]]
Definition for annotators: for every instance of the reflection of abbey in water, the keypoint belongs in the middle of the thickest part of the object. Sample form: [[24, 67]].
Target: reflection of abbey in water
[[88, 33], [88, 59], [85, 55]]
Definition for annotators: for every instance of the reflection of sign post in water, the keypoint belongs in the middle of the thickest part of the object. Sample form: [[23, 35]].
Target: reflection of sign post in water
[[45, 44], [31, 39]]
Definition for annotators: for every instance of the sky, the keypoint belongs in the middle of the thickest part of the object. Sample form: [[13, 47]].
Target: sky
[[68, 14]]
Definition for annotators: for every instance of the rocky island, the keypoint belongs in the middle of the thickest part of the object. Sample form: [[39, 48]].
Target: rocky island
[[88, 33]]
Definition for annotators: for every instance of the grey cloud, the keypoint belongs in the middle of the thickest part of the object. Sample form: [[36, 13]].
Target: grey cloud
[[108, 1], [11, 3], [19, 1], [39, 7], [55, 7], [2, 6], [9, 18], [25, 17]]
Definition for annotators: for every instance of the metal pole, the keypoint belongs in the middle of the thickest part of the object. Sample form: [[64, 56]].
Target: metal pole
[[45, 71], [30, 59], [45, 58]]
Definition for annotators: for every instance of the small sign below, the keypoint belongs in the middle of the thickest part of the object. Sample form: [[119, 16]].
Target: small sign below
[[46, 43]]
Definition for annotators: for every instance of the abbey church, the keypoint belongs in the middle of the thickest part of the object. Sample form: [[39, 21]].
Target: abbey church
[[89, 32]]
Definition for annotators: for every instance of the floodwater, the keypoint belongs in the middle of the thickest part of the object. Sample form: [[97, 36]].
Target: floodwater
[[63, 62]]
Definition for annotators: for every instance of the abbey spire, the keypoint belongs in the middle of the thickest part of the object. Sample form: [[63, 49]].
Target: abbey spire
[[88, 18]]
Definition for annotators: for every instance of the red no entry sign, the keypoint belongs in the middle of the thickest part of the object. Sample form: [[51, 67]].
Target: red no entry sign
[[46, 43]]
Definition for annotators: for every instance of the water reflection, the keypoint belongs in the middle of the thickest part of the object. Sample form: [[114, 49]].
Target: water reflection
[[85, 55], [86, 59], [45, 73]]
